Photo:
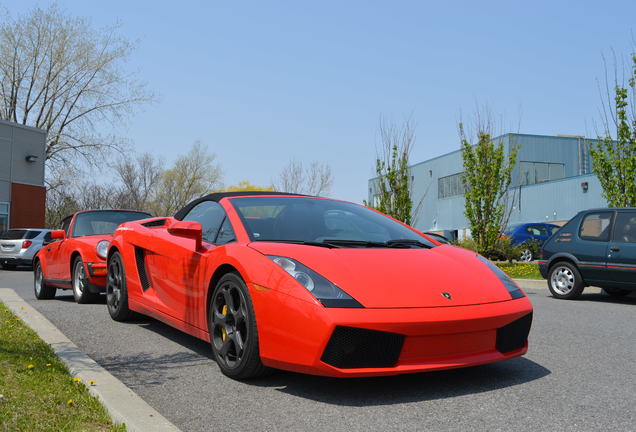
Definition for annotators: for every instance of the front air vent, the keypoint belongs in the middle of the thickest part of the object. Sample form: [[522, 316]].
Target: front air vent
[[140, 258], [514, 336], [351, 347]]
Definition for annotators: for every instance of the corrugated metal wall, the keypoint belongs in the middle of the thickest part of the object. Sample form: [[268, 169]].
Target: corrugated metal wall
[[549, 201]]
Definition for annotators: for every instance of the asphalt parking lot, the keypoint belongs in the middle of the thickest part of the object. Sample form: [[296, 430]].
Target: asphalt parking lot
[[579, 374]]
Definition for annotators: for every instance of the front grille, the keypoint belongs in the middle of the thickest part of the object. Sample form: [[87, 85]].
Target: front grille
[[140, 258], [351, 347], [514, 336]]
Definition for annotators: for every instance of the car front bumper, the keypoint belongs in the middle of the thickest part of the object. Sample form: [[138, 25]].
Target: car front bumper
[[309, 338], [543, 268]]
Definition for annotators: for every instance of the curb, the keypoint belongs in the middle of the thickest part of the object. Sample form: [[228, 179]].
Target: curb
[[123, 405], [532, 283]]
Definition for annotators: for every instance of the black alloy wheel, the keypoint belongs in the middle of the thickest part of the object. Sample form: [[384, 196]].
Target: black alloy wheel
[[41, 289], [233, 333], [116, 289]]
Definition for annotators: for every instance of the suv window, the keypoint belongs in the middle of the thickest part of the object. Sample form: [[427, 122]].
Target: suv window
[[625, 228], [210, 215], [596, 226]]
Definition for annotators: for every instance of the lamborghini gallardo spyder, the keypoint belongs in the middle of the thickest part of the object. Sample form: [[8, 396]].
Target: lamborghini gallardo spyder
[[314, 285]]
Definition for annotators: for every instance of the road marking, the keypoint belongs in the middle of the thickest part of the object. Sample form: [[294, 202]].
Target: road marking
[[123, 405]]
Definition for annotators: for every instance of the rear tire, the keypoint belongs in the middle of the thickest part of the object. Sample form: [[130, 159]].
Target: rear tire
[[80, 283], [233, 332], [617, 292], [41, 289], [565, 281], [117, 290], [526, 256]]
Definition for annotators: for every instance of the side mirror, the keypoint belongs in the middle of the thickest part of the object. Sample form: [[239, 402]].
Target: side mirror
[[58, 235], [187, 229]]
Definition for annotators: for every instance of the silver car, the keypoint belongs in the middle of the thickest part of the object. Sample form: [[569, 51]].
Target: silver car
[[19, 246]]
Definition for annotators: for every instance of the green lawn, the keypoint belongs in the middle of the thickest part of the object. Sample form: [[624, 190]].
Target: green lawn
[[518, 270], [37, 392]]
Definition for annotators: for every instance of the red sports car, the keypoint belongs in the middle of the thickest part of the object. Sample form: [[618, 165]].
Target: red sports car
[[76, 258], [314, 285]]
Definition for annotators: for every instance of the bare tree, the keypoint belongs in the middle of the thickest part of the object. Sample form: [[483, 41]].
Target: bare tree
[[140, 178], [315, 180], [60, 74], [192, 176]]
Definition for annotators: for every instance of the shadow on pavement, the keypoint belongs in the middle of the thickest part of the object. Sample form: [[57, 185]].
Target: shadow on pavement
[[602, 297], [406, 388]]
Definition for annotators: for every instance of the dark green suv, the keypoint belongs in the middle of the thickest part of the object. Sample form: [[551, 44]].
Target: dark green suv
[[596, 247]]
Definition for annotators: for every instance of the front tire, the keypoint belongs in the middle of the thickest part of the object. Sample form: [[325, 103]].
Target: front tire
[[117, 289], [41, 289], [616, 292], [565, 281], [233, 332], [80, 283]]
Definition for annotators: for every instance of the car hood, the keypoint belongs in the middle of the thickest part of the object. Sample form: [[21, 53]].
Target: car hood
[[400, 278]]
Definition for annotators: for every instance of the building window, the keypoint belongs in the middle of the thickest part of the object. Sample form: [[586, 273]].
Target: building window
[[4, 216], [450, 186], [539, 172]]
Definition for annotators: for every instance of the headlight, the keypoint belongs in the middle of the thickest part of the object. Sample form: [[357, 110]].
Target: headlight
[[326, 292], [512, 287], [102, 248]]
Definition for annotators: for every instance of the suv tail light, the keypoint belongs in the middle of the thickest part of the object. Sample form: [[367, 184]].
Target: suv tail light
[[26, 244]]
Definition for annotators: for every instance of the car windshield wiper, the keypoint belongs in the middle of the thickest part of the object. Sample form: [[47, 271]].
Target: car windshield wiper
[[326, 244], [398, 243], [407, 242], [361, 243]]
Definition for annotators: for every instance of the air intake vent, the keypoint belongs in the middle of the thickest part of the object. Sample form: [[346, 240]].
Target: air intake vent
[[351, 347], [514, 336], [140, 257], [155, 223]]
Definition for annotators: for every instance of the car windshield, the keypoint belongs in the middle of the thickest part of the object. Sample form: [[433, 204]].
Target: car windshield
[[322, 221], [103, 222], [17, 234]]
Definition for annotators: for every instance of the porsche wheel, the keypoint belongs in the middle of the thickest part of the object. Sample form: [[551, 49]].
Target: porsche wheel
[[80, 283], [565, 281], [116, 289], [616, 292], [232, 327], [42, 290]]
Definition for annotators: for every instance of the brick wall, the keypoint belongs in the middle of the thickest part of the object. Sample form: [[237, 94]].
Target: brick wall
[[27, 206]]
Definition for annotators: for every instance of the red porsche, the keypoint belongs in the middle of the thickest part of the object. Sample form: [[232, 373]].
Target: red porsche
[[314, 285], [76, 257]]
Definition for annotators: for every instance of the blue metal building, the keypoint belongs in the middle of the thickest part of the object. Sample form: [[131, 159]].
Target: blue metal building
[[551, 181]]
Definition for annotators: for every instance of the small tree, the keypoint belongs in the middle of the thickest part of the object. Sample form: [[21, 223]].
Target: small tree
[[614, 160], [192, 176], [393, 185], [486, 178], [245, 186]]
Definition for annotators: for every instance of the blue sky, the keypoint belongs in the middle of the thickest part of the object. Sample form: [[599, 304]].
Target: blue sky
[[263, 82]]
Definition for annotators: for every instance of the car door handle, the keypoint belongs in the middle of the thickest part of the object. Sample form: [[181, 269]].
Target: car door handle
[[615, 249]]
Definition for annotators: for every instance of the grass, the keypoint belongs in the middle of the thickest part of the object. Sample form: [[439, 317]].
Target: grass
[[37, 391], [517, 270]]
